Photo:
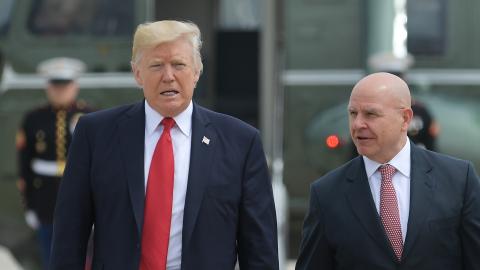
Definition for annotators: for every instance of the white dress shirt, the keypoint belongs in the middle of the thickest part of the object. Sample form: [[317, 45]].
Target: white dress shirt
[[401, 183], [181, 138]]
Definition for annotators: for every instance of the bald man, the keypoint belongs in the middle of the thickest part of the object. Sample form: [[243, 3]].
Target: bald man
[[395, 206]]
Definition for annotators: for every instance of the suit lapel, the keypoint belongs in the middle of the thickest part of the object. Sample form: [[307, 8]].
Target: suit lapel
[[132, 137], [201, 157], [360, 198], [421, 194]]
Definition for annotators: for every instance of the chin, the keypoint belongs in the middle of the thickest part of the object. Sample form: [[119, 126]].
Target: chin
[[362, 151], [172, 112]]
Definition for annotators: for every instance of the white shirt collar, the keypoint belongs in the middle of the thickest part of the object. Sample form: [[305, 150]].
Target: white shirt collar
[[401, 162], [182, 120]]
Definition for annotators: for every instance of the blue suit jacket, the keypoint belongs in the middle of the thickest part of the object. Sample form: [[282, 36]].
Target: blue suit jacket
[[229, 208], [342, 229]]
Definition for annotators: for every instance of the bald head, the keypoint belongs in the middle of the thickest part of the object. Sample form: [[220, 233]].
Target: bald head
[[386, 86], [379, 115]]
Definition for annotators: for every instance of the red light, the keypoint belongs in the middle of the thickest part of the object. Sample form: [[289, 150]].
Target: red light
[[332, 141]]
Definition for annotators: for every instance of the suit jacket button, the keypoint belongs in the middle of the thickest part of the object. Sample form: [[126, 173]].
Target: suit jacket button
[[37, 183]]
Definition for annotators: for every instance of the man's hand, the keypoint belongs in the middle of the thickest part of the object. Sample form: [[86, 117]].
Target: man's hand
[[32, 219]]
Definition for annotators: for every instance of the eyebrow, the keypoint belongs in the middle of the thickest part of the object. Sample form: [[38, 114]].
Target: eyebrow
[[365, 110], [155, 60], [370, 110]]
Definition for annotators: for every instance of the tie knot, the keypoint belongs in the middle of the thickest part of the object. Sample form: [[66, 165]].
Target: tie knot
[[387, 171], [168, 123]]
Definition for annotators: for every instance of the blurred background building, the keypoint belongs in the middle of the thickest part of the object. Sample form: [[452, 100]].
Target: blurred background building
[[285, 66]]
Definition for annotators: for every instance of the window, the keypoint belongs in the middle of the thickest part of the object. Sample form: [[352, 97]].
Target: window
[[426, 27], [82, 17], [5, 15]]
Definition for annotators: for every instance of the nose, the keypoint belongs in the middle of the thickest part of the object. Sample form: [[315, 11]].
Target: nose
[[357, 122], [168, 74]]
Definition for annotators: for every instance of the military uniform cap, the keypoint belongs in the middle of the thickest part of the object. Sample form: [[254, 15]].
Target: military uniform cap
[[61, 69], [388, 62]]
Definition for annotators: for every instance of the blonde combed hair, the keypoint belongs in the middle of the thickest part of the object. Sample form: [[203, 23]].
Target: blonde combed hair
[[151, 34]]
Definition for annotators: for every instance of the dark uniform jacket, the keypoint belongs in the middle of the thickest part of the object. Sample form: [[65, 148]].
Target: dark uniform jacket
[[42, 144], [420, 129]]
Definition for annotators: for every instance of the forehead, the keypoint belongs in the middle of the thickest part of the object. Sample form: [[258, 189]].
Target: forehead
[[363, 101], [170, 49], [371, 98]]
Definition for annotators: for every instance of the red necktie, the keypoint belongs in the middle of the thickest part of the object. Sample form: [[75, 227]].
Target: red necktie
[[389, 210], [158, 203]]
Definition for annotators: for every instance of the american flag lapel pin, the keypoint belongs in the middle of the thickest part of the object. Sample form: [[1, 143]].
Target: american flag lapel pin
[[205, 140]]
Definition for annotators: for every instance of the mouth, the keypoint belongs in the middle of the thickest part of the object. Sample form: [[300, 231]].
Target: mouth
[[363, 138], [169, 93]]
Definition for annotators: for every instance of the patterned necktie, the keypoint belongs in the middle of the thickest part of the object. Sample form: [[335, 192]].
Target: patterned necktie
[[158, 203], [389, 210]]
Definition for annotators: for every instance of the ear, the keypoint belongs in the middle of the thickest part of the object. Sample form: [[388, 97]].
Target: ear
[[136, 74], [196, 78], [407, 115]]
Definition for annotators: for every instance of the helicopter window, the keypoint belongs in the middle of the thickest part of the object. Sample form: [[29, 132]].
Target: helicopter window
[[5, 14], [426, 27], [239, 14], [82, 17]]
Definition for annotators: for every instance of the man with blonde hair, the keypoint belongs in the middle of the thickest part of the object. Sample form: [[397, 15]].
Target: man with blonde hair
[[166, 183]]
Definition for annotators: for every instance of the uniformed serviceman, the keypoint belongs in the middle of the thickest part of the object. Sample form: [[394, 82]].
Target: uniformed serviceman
[[42, 143], [423, 129]]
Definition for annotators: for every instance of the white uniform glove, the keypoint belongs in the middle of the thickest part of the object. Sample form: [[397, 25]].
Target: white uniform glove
[[32, 219]]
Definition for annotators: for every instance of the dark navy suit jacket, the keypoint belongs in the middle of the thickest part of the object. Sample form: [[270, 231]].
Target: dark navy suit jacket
[[342, 229], [229, 209]]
